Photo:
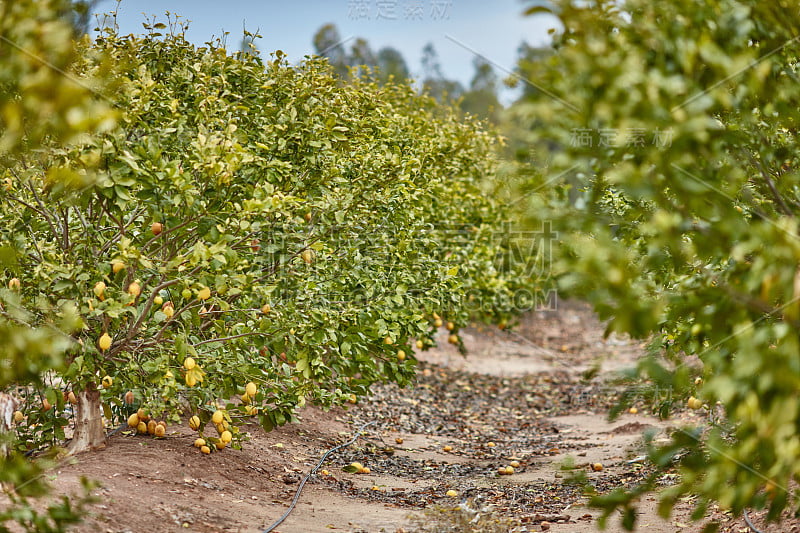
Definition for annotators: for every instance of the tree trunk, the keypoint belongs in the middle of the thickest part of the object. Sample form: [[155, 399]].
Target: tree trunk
[[89, 431]]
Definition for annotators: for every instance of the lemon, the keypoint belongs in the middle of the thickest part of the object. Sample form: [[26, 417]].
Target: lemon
[[401, 355], [18, 416], [251, 389], [189, 363], [204, 293], [133, 420], [107, 381], [218, 417], [226, 436], [205, 449], [194, 422], [134, 289], [104, 342], [451, 493], [99, 289], [199, 443]]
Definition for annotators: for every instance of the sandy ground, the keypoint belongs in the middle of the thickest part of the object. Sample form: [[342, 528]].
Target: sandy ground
[[517, 396]]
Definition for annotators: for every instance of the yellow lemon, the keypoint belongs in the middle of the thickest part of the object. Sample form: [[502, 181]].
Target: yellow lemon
[[134, 289], [104, 342]]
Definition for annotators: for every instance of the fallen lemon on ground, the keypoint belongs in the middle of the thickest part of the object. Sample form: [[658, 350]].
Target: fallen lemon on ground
[[451, 493]]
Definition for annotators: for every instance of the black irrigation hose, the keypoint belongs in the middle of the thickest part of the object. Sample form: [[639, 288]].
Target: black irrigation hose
[[285, 515], [749, 523]]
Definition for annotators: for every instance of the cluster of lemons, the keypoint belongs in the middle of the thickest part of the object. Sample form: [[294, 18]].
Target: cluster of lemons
[[144, 425], [222, 424], [205, 444]]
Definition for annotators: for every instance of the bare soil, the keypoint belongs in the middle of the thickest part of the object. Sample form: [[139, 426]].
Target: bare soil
[[521, 396]]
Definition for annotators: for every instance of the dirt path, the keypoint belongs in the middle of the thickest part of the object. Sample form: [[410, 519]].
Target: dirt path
[[517, 397]]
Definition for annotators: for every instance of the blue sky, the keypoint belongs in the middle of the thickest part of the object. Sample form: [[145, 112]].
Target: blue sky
[[457, 28]]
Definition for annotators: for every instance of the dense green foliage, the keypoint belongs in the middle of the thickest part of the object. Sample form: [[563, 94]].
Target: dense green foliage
[[46, 98], [669, 131]]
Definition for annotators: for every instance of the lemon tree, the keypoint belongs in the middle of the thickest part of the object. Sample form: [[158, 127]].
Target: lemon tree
[[249, 222], [670, 132]]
